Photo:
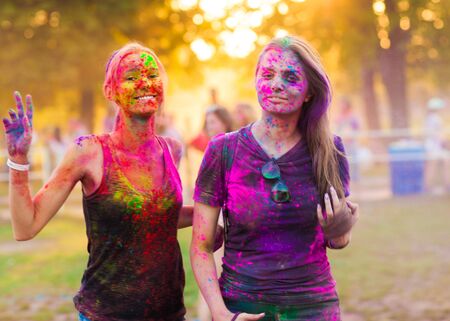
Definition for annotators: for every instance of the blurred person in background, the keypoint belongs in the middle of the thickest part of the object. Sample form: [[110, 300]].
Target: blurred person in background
[[437, 171], [348, 127], [131, 197], [283, 198], [165, 126], [76, 128], [217, 121], [54, 150], [243, 114], [58, 147], [110, 118]]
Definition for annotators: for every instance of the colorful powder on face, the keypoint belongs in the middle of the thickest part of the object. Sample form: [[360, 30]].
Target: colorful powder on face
[[149, 60]]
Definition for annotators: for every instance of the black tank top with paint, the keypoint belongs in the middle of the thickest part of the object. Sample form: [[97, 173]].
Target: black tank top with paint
[[135, 271]]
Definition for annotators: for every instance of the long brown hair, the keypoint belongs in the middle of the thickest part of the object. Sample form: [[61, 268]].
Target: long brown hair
[[313, 122]]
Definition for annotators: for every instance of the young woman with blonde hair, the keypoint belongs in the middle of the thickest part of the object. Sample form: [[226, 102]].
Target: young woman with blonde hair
[[131, 197]]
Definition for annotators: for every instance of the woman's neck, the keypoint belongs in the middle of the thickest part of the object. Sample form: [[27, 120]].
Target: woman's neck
[[276, 133], [277, 127], [134, 134]]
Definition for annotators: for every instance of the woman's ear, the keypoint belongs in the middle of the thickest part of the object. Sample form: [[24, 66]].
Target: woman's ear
[[108, 93]]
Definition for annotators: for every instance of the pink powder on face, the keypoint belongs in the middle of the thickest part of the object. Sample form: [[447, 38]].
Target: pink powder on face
[[281, 83]]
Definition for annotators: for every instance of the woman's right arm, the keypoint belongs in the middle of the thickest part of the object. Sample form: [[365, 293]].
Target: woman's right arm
[[202, 261], [29, 215], [204, 227]]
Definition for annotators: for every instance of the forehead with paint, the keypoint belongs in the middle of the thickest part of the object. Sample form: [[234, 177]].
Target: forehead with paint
[[139, 62], [278, 58]]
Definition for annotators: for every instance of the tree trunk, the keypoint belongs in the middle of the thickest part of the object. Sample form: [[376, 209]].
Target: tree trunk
[[393, 72], [370, 98], [393, 68]]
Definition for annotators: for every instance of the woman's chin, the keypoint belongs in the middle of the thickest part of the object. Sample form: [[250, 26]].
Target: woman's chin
[[280, 110]]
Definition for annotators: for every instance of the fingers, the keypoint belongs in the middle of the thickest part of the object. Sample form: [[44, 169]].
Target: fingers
[[6, 123], [12, 114], [251, 317], [320, 215], [26, 126], [328, 207], [19, 103], [335, 199], [30, 108], [354, 208]]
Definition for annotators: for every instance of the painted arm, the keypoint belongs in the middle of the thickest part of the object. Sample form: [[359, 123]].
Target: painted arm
[[29, 215], [205, 222], [337, 220]]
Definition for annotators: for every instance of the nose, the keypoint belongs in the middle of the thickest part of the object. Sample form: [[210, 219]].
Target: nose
[[144, 83], [277, 84]]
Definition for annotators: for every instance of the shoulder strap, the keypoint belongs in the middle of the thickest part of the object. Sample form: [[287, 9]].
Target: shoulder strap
[[228, 153]]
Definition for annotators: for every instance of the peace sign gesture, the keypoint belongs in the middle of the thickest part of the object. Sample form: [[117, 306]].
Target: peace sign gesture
[[18, 128], [339, 215]]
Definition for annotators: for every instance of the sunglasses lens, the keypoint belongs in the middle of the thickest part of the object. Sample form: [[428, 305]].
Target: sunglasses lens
[[280, 193], [271, 171]]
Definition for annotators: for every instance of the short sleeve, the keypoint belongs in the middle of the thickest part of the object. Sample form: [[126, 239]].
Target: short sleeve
[[209, 183], [344, 172]]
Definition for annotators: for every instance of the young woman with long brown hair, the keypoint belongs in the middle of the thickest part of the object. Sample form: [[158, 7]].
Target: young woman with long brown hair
[[285, 198]]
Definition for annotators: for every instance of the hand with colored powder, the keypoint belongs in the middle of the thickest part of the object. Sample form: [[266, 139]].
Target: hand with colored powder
[[339, 216], [18, 129]]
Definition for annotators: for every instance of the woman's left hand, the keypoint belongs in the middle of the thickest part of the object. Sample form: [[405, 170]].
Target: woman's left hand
[[339, 215]]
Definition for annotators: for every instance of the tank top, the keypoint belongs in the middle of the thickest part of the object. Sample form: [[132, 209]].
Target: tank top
[[135, 270]]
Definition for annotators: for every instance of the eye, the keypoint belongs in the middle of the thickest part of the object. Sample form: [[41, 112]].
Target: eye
[[130, 78], [267, 75], [153, 76], [292, 78]]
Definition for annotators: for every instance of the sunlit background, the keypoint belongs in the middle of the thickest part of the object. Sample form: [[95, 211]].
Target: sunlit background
[[389, 58]]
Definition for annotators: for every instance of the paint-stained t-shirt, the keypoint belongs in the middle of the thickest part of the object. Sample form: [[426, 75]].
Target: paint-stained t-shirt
[[135, 270], [275, 252]]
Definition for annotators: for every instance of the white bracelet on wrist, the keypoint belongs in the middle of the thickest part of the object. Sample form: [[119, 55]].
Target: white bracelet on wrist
[[18, 167]]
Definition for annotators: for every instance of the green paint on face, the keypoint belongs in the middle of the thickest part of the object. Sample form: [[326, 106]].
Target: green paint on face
[[149, 60]]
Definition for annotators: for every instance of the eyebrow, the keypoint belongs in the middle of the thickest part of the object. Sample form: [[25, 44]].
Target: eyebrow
[[134, 69], [292, 71], [262, 68]]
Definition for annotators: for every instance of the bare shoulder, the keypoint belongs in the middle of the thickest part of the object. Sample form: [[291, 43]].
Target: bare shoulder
[[176, 148], [82, 154], [85, 145]]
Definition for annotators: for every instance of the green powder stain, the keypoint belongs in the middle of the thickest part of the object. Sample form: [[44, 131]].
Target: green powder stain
[[149, 60], [285, 42]]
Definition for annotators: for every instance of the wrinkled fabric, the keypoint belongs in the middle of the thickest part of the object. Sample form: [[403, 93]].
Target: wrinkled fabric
[[275, 251]]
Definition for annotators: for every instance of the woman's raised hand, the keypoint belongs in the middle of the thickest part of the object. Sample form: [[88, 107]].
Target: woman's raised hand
[[18, 128], [339, 215]]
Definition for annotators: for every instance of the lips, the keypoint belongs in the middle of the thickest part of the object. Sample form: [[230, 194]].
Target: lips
[[276, 99]]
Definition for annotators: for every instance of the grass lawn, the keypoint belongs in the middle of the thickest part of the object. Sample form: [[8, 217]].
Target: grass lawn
[[395, 269]]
